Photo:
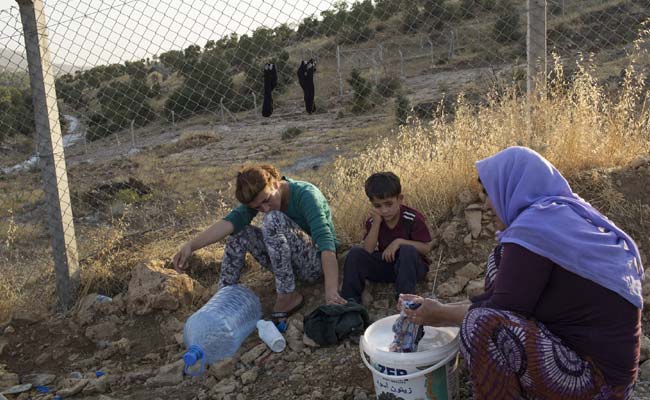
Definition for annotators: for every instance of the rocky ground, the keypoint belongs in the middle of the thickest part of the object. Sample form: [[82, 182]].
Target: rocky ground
[[131, 347]]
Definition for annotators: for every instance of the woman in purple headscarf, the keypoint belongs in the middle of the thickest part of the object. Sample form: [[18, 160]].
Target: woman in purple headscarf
[[561, 314]]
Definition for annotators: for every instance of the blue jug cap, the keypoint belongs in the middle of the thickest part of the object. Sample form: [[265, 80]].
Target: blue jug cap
[[282, 326], [191, 356]]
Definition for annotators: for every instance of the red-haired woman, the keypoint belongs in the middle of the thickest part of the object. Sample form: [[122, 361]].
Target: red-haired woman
[[296, 239]]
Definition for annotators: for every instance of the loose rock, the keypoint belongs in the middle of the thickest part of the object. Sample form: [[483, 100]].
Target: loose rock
[[223, 368], [253, 354], [168, 375], [250, 376], [39, 379], [73, 390], [645, 349], [452, 287], [473, 218], [475, 288], [154, 287], [18, 389], [469, 271]]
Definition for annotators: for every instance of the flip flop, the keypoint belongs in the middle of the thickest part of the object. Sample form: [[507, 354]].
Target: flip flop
[[280, 318]]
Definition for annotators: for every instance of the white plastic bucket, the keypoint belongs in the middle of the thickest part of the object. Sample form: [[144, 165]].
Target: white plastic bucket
[[430, 373]]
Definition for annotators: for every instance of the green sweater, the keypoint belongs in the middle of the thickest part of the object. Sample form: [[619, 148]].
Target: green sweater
[[307, 207]]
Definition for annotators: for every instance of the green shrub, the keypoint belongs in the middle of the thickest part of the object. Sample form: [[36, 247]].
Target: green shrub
[[388, 86], [99, 126], [123, 102], [507, 26], [385, 9], [16, 112], [361, 92], [206, 84], [411, 18], [402, 109]]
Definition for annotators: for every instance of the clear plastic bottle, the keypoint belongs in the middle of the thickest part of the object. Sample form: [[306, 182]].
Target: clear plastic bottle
[[218, 328], [270, 334]]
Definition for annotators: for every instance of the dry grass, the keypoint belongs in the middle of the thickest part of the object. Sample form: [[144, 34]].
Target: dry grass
[[575, 125]]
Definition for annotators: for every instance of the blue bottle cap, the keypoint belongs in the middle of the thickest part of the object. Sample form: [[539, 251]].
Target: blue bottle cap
[[191, 356], [42, 389], [100, 373], [282, 326]]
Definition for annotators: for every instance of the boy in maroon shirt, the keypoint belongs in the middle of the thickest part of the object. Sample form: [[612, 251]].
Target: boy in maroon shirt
[[396, 242]]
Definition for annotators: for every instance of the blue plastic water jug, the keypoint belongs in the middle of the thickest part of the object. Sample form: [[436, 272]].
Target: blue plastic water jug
[[218, 328]]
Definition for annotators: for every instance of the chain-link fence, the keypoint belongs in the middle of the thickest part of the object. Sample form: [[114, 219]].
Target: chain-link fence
[[161, 101]]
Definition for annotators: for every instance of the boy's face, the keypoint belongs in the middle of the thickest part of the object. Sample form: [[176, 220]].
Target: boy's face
[[388, 208]]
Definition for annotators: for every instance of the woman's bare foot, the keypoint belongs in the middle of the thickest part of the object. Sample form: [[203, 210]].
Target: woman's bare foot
[[287, 302]]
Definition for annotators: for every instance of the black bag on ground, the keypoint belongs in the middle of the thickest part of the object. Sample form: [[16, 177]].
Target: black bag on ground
[[331, 323]]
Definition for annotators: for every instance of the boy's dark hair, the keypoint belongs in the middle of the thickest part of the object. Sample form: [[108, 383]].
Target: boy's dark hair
[[382, 185]]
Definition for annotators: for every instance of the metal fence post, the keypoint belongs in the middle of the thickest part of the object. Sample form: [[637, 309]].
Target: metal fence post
[[375, 68], [452, 44], [338, 70], [132, 134], [536, 44], [50, 145], [255, 102]]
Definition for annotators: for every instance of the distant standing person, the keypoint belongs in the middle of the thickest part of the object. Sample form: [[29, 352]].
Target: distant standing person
[[296, 239], [306, 81], [396, 243]]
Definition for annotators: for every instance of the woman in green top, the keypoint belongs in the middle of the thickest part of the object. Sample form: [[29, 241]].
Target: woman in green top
[[296, 240]]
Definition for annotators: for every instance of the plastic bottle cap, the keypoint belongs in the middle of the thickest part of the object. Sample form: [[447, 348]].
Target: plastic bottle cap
[[42, 389], [192, 355], [190, 358]]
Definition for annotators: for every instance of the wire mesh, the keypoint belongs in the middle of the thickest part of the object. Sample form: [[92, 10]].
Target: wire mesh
[[161, 101]]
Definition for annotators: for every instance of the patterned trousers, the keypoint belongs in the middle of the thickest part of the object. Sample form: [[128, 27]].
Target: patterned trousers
[[280, 246], [510, 357]]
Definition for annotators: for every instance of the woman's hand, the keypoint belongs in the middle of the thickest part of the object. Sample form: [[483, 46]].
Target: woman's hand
[[180, 259], [333, 297], [430, 312]]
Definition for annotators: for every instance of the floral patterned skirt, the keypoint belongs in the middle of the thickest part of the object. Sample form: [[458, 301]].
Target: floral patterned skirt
[[511, 357]]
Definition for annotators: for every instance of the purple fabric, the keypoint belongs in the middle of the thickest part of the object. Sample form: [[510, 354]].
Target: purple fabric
[[598, 324], [542, 214]]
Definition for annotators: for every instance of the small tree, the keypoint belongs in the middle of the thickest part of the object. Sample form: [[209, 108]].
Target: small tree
[[173, 59], [361, 92], [411, 18], [123, 102], [208, 82], [309, 27], [506, 28], [402, 109], [385, 9], [16, 112]]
